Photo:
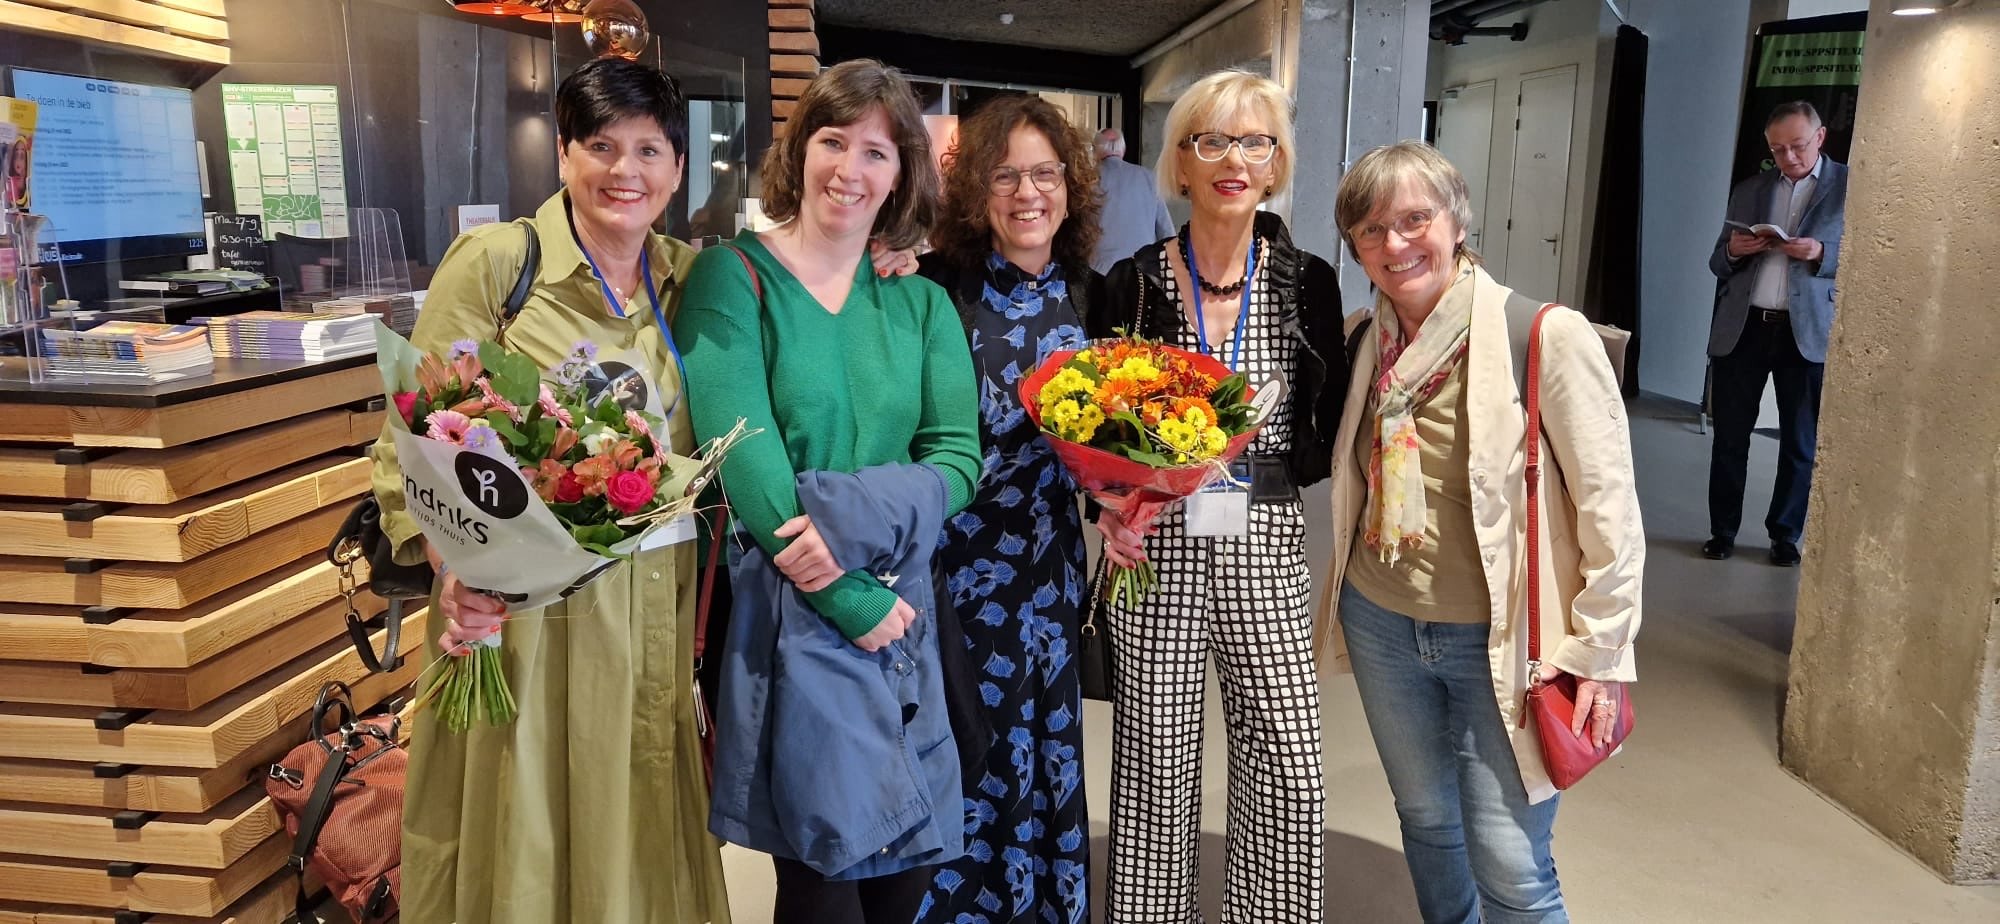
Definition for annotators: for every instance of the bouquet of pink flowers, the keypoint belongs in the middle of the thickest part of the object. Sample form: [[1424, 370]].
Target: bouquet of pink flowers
[[528, 484]]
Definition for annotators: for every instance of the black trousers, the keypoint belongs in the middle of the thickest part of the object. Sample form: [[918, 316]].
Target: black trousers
[[1766, 350], [806, 897]]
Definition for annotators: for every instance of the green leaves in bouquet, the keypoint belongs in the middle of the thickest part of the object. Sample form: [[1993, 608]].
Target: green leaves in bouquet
[[609, 412], [598, 538], [513, 376], [1232, 411]]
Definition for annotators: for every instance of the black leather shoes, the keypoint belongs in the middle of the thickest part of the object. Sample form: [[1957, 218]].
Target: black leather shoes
[[1784, 554], [1718, 549]]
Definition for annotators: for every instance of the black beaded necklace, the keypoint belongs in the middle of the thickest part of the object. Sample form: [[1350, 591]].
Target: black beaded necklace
[[1227, 291]]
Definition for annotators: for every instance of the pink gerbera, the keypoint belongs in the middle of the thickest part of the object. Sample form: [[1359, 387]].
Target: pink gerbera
[[448, 426], [495, 402], [553, 408]]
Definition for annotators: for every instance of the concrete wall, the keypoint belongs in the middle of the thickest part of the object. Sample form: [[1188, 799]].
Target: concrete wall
[[1894, 709], [1565, 32]]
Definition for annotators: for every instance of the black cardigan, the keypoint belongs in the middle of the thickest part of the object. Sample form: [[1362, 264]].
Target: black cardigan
[[1307, 291]]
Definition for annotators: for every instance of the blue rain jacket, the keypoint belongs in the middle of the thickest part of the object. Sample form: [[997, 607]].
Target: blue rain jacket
[[826, 754]]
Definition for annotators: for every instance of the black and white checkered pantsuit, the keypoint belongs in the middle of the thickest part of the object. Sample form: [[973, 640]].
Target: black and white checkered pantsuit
[[1247, 601]]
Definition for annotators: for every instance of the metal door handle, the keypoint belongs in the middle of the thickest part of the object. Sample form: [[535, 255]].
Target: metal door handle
[[1548, 240]]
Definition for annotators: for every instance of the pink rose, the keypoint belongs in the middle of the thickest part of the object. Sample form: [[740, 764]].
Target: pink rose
[[406, 405], [629, 492], [569, 490]]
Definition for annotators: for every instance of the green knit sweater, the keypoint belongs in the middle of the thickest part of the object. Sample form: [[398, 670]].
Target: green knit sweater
[[888, 379]]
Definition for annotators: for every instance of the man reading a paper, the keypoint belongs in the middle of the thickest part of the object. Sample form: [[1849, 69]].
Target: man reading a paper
[[1776, 260]]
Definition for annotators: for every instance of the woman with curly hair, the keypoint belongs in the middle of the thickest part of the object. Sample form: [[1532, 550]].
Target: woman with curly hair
[[1013, 246]]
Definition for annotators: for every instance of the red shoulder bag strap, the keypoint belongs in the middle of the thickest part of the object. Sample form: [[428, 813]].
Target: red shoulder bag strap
[[722, 522], [1533, 386]]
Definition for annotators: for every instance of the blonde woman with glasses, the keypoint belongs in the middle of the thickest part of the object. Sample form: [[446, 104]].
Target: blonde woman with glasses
[[1428, 575], [1233, 285]]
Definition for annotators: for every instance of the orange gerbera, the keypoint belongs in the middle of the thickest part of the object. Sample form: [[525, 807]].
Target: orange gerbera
[[1182, 405], [1115, 396]]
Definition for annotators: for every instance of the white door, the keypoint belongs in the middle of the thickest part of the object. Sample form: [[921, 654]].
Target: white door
[[1541, 183], [1465, 137]]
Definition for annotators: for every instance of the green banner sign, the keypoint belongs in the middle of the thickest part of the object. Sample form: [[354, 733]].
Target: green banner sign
[[1811, 59]]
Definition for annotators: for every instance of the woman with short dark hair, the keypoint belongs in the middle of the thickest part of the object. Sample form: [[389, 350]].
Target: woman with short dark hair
[[835, 754], [589, 805], [1013, 249]]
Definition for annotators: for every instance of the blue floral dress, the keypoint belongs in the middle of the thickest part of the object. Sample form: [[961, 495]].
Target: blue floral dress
[[1014, 563]]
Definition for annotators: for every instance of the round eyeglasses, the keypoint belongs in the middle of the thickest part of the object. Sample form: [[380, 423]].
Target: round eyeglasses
[[1214, 146], [1005, 181], [1411, 225]]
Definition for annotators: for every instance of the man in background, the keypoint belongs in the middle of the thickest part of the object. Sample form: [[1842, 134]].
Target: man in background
[[1772, 318], [1133, 215]]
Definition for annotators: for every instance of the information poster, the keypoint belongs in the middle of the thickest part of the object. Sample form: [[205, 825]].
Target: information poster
[[17, 150], [1817, 60], [285, 158]]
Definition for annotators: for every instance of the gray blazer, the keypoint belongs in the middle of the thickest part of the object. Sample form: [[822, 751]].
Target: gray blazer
[[1809, 287], [1133, 215]]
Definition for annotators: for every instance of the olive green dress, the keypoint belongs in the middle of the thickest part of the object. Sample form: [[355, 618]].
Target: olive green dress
[[591, 806]]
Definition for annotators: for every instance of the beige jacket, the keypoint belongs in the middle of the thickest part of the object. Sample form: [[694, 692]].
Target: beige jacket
[[1593, 545]]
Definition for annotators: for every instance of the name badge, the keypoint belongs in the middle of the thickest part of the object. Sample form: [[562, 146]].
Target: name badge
[[676, 531], [1222, 508]]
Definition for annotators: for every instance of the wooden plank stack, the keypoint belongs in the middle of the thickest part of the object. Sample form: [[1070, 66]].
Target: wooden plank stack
[[167, 619], [794, 57], [191, 30]]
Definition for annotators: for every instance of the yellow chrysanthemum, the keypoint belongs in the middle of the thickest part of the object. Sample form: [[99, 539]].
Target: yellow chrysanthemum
[[1213, 442], [1086, 425], [1065, 382], [1135, 369], [1087, 356], [1178, 435], [1062, 414]]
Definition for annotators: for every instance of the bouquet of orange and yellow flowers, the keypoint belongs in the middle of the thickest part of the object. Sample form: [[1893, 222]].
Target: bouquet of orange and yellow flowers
[[1141, 425]]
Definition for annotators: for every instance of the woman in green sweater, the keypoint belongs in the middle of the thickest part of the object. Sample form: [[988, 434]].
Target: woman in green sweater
[[842, 370]]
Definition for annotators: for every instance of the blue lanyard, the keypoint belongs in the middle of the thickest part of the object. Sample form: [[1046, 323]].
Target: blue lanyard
[[1242, 316], [659, 314]]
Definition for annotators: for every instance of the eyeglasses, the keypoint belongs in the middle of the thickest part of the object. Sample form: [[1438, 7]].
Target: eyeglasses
[[1005, 181], [1797, 150], [1214, 146], [1411, 225]]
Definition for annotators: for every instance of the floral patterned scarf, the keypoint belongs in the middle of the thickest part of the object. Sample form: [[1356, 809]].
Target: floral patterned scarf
[[1409, 373]]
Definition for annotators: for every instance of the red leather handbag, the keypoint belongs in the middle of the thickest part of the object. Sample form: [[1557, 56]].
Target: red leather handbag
[[1566, 757]]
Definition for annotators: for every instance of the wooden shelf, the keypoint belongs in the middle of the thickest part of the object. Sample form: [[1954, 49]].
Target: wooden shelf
[[180, 688], [162, 584], [164, 476], [175, 638], [175, 789], [269, 903], [187, 422], [212, 736], [212, 840], [154, 890], [188, 529]]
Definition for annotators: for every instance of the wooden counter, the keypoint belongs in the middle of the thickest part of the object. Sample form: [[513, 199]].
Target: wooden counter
[[167, 619]]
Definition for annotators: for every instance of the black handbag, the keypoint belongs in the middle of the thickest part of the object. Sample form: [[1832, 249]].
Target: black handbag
[[360, 536], [1093, 644]]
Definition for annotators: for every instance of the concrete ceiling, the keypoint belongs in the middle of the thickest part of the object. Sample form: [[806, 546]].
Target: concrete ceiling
[[1106, 27]]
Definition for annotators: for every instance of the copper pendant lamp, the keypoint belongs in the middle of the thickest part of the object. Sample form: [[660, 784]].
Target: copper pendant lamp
[[494, 7], [558, 12]]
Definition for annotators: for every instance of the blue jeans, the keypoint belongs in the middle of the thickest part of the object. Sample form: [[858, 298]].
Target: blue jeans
[[1471, 838]]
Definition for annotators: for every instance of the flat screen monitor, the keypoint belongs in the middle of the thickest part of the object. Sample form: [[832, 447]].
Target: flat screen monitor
[[114, 167]]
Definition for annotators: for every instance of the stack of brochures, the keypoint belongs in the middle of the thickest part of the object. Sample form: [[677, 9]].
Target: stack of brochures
[[313, 336], [136, 351]]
